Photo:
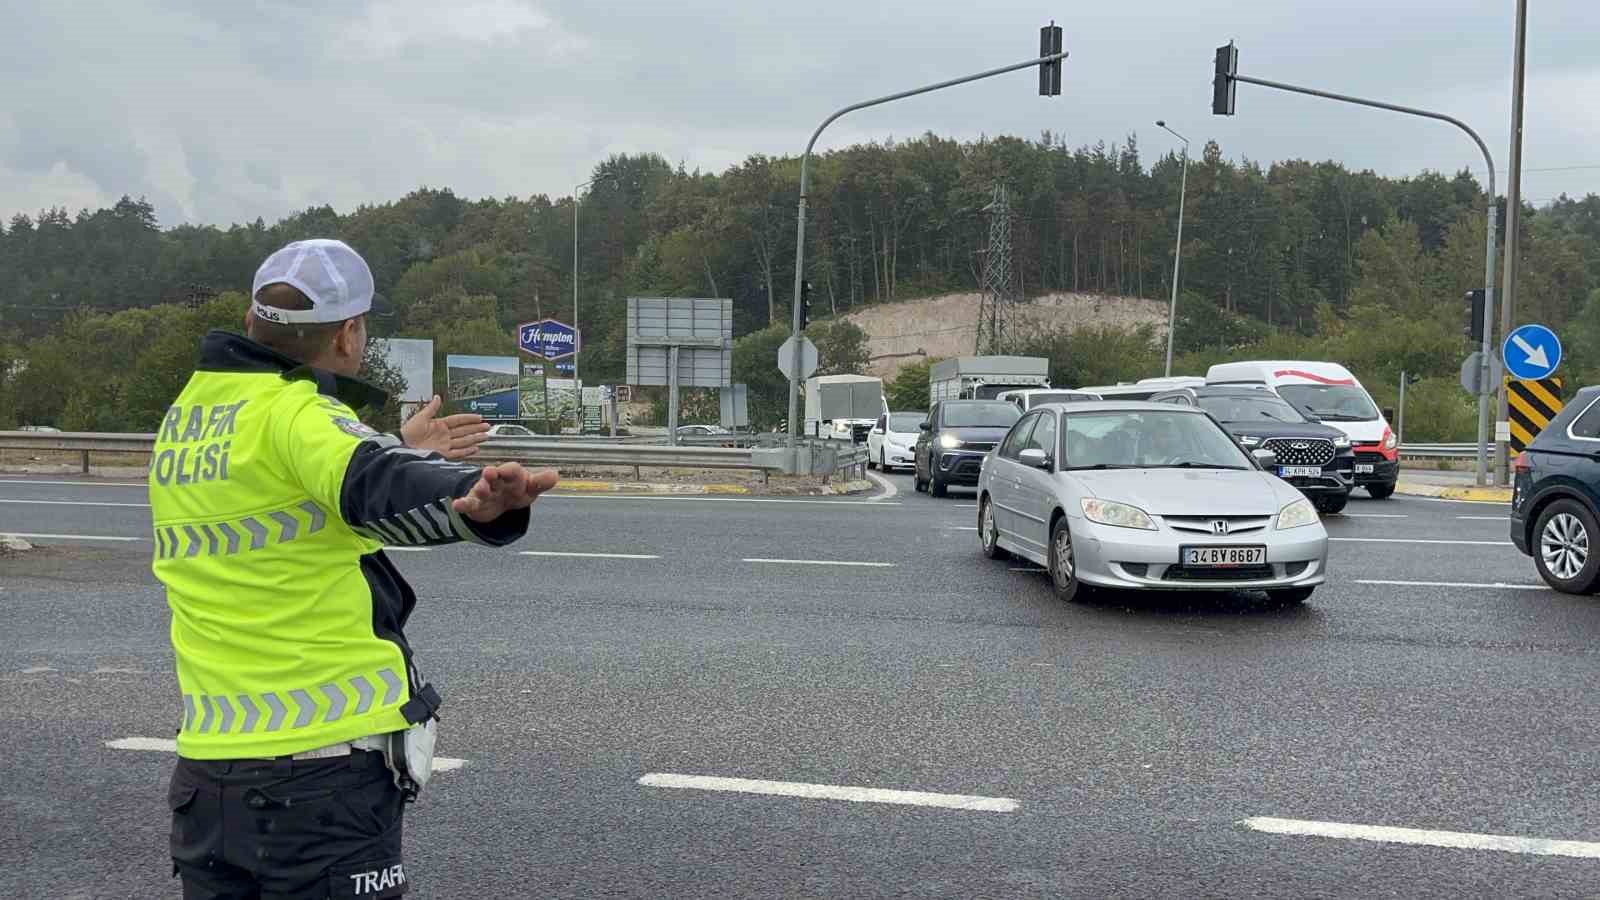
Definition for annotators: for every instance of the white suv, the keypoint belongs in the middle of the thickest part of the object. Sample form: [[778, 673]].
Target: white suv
[[891, 438]]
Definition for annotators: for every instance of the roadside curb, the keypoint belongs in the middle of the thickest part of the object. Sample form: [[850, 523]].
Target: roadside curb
[[1441, 492], [10, 543]]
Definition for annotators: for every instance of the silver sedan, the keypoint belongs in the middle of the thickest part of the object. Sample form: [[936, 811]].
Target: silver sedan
[[1146, 496]]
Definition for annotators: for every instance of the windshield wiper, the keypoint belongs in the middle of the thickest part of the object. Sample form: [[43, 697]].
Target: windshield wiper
[[1099, 467], [1186, 464]]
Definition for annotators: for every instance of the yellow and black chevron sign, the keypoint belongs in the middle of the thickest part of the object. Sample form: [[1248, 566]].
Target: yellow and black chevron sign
[[1533, 405]]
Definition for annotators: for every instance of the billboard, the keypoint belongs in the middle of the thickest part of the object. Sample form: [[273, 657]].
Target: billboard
[[548, 338], [544, 396], [413, 359], [486, 385]]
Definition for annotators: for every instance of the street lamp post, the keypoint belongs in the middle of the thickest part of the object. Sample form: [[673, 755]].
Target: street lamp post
[[1177, 253], [577, 387]]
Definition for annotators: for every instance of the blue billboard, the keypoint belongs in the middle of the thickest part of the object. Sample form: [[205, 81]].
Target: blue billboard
[[548, 338], [486, 385]]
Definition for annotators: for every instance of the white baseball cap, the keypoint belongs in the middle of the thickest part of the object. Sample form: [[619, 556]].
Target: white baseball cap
[[333, 277]]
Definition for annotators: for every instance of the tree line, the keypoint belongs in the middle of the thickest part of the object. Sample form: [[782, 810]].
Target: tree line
[[1293, 257]]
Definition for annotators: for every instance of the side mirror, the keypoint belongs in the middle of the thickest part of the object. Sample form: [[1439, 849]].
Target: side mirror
[[926, 426], [1388, 414], [1266, 459], [1034, 458]]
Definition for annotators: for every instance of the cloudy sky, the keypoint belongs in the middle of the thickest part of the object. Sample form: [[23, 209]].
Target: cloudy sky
[[221, 112]]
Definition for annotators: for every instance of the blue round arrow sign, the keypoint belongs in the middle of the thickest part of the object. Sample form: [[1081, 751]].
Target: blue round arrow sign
[[1531, 352]]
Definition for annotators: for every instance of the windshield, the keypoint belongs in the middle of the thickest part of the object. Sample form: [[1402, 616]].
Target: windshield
[[1265, 408], [1149, 440], [906, 423], [981, 415], [1331, 402]]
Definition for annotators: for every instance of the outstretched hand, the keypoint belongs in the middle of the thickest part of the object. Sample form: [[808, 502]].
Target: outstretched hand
[[456, 437], [503, 488]]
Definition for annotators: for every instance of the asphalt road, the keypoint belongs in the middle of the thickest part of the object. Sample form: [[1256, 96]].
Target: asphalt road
[[1132, 735]]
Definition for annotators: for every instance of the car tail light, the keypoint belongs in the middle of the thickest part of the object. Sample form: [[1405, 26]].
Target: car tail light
[[1523, 464]]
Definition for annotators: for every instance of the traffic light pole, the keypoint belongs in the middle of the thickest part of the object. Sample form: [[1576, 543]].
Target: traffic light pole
[[800, 218], [1484, 370]]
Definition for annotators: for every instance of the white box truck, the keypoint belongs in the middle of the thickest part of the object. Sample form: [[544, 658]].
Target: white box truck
[[985, 377], [843, 407]]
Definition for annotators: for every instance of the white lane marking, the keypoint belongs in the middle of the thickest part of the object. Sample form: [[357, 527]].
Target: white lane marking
[[829, 792], [889, 489], [74, 503], [1371, 516], [820, 562], [1493, 585], [168, 745], [72, 537], [1484, 518], [1455, 840], [407, 549], [1026, 569], [1350, 540], [961, 528], [706, 498], [587, 555], [966, 506], [137, 484]]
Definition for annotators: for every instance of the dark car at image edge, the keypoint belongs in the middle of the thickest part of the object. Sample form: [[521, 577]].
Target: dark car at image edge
[[1555, 497]]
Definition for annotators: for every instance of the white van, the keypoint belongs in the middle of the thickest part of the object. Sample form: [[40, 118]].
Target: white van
[[1028, 398], [1329, 392]]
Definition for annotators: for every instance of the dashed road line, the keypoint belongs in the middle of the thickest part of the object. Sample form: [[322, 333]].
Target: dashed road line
[[1487, 585], [1355, 540], [137, 484], [806, 791], [1483, 518], [577, 555], [1371, 516], [1455, 840], [819, 562], [73, 537], [74, 503]]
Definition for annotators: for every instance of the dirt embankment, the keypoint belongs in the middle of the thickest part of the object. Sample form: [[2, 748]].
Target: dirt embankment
[[947, 325]]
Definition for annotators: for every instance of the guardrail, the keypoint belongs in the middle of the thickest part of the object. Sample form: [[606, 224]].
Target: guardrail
[[540, 450], [1443, 451]]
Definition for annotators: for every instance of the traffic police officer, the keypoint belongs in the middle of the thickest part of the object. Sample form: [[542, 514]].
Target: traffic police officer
[[306, 722]]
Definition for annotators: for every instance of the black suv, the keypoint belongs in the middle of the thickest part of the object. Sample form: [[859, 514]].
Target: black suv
[[955, 439], [1314, 457], [1556, 495]]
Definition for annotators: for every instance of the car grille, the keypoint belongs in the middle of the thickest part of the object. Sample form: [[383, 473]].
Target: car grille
[[859, 432], [978, 446], [1369, 458], [1208, 524], [1241, 573], [960, 465], [1301, 451]]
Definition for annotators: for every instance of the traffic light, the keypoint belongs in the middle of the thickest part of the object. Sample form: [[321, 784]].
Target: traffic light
[[1473, 308], [1050, 72], [1223, 87], [805, 304]]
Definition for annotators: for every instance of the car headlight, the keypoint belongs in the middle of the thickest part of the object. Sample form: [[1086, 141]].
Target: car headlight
[[1249, 441], [1117, 515], [1298, 514], [1389, 441], [949, 441], [1342, 442]]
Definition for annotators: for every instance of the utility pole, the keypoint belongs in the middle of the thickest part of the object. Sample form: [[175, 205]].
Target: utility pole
[[1049, 85], [1177, 252], [1502, 464]]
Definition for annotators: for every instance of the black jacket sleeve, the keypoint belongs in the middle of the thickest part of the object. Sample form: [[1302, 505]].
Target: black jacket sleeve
[[403, 496]]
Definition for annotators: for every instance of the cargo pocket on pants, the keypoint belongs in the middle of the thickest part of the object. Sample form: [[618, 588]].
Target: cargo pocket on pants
[[188, 840]]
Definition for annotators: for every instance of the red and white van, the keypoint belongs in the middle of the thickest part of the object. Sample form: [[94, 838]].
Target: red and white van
[[1330, 393]]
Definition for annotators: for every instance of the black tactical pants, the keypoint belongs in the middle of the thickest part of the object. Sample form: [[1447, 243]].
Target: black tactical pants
[[279, 829]]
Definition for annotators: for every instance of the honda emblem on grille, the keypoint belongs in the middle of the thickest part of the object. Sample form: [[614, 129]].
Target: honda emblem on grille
[[1300, 445], [1219, 526]]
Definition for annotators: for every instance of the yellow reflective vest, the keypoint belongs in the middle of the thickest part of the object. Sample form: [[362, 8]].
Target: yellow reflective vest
[[271, 504]]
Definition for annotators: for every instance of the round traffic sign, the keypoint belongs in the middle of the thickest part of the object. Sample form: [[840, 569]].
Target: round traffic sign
[[1531, 352]]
